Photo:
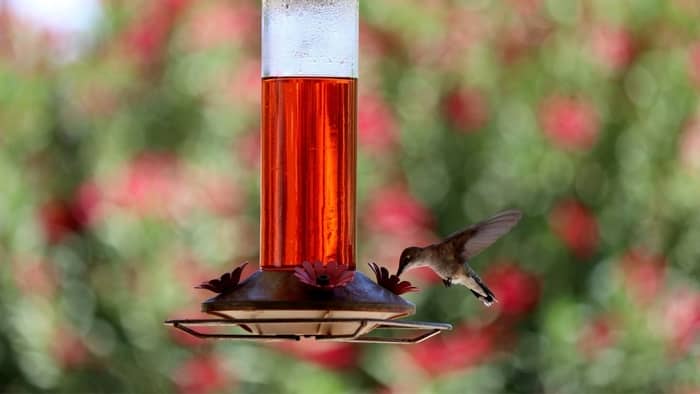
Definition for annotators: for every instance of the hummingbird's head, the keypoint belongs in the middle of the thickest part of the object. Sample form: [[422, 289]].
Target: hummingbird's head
[[409, 257]]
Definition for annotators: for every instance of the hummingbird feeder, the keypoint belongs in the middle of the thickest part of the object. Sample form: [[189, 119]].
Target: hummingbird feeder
[[307, 286]]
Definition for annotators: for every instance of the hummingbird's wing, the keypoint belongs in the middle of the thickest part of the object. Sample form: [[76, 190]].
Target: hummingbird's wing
[[480, 236]]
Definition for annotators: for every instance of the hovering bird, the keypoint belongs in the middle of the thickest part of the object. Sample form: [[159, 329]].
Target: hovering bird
[[449, 258]]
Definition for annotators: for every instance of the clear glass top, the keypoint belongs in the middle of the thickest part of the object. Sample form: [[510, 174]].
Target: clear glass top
[[310, 38]]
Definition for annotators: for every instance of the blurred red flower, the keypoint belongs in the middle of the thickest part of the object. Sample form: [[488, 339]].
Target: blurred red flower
[[376, 125], [59, 218], [151, 184], [516, 290], [596, 335], [202, 374], [465, 109], [393, 210], [569, 123], [689, 144], [614, 47], [681, 319], [463, 348], [576, 226], [694, 63], [643, 274], [147, 37], [68, 349], [330, 355]]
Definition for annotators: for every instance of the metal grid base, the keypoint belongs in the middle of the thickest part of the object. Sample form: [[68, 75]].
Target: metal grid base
[[426, 329]]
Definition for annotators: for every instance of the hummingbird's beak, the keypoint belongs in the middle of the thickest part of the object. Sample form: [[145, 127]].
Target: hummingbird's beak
[[400, 270]]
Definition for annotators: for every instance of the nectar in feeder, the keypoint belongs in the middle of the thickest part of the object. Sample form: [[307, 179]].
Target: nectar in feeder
[[309, 112]]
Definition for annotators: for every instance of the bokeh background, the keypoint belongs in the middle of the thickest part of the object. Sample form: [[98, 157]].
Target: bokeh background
[[129, 164]]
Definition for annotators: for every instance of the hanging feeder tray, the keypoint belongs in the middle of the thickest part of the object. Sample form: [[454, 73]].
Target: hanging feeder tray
[[273, 305]]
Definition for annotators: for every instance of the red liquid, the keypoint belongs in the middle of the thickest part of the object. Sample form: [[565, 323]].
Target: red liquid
[[308, 171]]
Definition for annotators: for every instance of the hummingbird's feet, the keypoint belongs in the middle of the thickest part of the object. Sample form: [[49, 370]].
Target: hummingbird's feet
[[447, 282]]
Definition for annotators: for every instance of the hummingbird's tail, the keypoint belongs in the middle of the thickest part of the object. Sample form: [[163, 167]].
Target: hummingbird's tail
[[479, 289]]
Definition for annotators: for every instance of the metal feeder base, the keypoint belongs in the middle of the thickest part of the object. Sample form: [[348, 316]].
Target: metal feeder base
[[424, 330], [273, 305]]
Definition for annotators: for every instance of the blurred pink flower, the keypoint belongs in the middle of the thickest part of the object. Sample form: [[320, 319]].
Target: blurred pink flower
[[330, 355], [202, 374], [376, 125], [614, 47], [248, 148], [215, 191], [465, 347], [681, 319], [150, 185], [694, 63], [34, 276], [224, 23], [569, 123], [147, 37], [689, 144], [517, 291], [465, 109], [526, 7], [393, 210], [597, 334], [643, 274], [576, 226], [242, 86], [68, 349]]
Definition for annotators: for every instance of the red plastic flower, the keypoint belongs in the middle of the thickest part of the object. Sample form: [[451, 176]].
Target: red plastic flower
[[226, 282], [325, 277], [391, 282]]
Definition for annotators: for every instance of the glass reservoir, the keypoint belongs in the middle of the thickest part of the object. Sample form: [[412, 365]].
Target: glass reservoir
[[309, 128]]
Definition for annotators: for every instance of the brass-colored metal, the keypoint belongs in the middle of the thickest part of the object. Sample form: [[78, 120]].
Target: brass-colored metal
[[358, 336]]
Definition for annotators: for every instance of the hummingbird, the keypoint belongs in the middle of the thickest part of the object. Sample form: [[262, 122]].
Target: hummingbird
[[449, 258]]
